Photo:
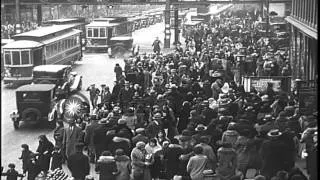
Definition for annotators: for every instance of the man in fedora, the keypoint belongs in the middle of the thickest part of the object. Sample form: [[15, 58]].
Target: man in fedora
[[154, 126], [94, 94], [72, 135], [125, 95], [274, 153]]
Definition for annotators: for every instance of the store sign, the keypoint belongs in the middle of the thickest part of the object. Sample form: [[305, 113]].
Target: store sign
[[262, 84]]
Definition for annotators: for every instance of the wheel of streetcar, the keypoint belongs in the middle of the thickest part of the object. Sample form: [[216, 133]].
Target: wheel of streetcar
[[16, 125]]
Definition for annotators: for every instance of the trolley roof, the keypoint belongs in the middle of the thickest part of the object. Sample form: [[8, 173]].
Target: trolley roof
[[22, 44], [50, 68], [44, 31], [101, 24], [64, 20], [36, 87], [6, 41]]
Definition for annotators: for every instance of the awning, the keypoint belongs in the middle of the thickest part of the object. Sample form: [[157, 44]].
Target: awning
[[312, 32]]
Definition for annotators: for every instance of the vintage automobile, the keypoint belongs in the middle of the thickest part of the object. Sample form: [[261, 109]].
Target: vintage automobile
[[34, 102], [66, 81]]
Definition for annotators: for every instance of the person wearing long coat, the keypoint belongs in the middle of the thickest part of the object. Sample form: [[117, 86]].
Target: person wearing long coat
[[107, 166], [123, 164], [227, 161], [171, 157], [25, 157], [44, 151], [88, 138], [58, 134], [78, 163], [71, 136], [138, 162]]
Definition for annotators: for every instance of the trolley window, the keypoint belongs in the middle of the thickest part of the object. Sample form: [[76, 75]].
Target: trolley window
[[7, 57], [96, 32], [15, 57], [102, 32], [59, 46], [90, 34], [25, 57]]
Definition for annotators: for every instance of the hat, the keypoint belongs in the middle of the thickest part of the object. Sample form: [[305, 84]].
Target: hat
[[216, 74], [157, 116], [224, 102], [201, 127], [265, 98], [11, 165], [268, 117], [139, 130], [126, 83], [103, 85], [116, 108], [140, 144], [223, 96], [274, 133], [103, 121], [122, 121]]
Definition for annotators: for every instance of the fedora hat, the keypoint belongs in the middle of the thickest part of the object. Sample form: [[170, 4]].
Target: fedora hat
[[274, 133], [157, 116], [268, 117], [201, 127], [103, 121]]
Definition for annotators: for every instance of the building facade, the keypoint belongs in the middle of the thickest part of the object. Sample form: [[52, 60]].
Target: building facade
[[304, 39]]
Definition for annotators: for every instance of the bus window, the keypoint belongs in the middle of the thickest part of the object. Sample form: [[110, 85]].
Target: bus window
[[102, 32], [95, 32], [25, 57], [90, 32], [15, 57], [7, 57]]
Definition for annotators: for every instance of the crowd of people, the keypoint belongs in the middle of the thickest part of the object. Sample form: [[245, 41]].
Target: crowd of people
[[186, 116], [8, 30]]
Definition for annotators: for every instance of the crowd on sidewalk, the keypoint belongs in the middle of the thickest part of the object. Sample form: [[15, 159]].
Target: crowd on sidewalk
[[186, 116]]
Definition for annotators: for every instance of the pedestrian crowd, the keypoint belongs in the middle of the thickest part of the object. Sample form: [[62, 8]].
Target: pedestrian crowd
[[185, 116], [8, 30]]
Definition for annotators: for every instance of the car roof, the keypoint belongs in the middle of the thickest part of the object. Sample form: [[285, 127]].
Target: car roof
[[50, 68], [36, 87]]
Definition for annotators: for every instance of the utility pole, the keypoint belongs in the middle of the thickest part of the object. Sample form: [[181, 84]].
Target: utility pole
[[167, 31], [18, 28], [176, 26], [268, 18]]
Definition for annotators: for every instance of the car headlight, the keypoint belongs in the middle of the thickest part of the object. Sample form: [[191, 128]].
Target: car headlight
[[7, 72]]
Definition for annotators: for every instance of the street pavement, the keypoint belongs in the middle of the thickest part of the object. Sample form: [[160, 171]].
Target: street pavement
[[95, 69]]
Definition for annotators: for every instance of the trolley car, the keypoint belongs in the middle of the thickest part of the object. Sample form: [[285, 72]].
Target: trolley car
[[112, 33], [57, 44]]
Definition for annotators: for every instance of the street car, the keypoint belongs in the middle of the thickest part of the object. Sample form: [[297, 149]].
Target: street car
[[34, 102], [66, 80]]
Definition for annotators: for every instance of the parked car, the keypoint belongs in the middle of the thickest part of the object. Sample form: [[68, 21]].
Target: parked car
[[66, 80], [34, 102]]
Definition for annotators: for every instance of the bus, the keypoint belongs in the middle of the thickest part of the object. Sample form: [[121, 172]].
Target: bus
[[56, 44], [107, 34]]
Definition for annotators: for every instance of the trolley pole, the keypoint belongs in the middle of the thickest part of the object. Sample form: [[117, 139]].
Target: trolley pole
[[39, 15], [167, 31], [18, 28], [176, 26]]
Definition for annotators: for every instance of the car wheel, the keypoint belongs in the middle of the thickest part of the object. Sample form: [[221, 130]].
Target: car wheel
[[16, 125]]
